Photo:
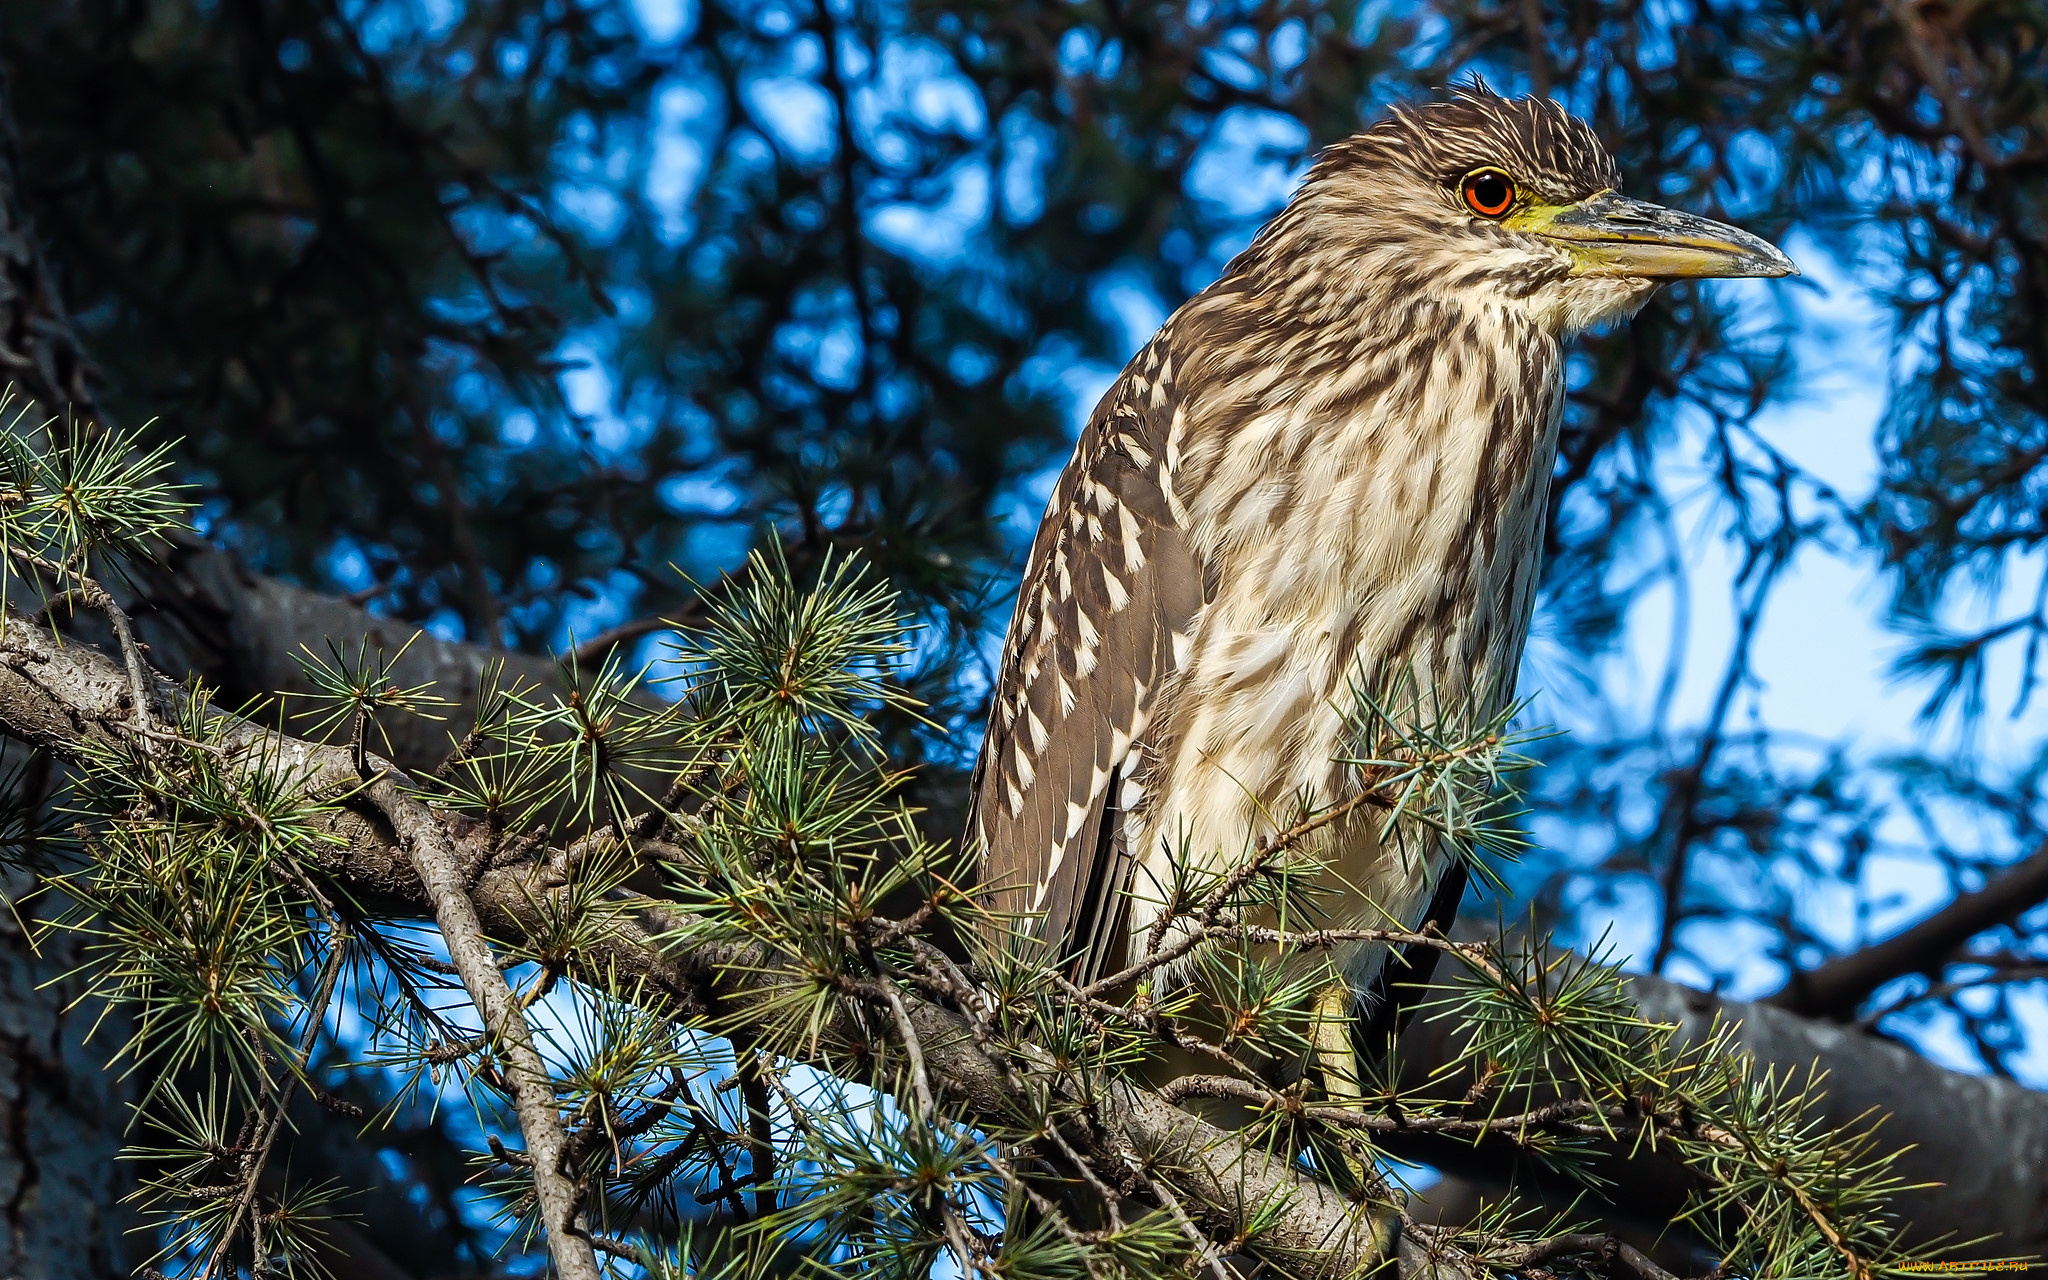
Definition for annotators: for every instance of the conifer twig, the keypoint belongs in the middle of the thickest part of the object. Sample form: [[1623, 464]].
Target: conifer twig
[[1205, 1248], [1159, 954], [131, 654], [528, 1078], [920, 1082], [254, 1161]]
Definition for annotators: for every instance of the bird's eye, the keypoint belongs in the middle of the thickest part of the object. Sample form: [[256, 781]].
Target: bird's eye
[[1488, 192]]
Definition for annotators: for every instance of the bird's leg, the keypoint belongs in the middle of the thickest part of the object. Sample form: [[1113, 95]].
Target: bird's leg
[[1336, 1061]]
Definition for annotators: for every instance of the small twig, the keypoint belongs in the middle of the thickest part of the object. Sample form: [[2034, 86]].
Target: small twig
[[713, 1134], [1205, 1248], [510, 960], [1822, 1220], [1582, 1244], [1472, 953], [1943, 990], [338, 1105], [1159, 954], [1181, 1088], [799, 1115], [1562, 1116], [956, 1239], [66, 597], [1586, 1244], [472, 738], [914, 1050], [1635, 1260], [601, 644], [658, 1108], [258, 1155], [505, 1154], [747, 1064], [1858, 1268], [1110, 1199], [1009, 1174], [542, 985], [617, 1248], [97, 597]]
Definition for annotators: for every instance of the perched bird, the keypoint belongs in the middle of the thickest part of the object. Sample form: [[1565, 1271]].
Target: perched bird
[[1326, 470]]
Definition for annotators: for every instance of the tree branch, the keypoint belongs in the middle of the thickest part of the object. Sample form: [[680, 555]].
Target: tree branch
[[1835, 989], [441, 877], [1988, 1138], [1974, 1149], [593, 652]]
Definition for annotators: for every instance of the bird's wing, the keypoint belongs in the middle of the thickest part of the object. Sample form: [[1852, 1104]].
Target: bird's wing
[[1106, 608]]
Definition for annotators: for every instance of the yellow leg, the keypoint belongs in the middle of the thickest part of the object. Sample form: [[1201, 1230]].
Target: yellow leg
[[1337, 1063], [1335, 1060]]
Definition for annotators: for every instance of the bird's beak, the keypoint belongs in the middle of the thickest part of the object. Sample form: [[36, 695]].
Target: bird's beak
[[1611, 235]]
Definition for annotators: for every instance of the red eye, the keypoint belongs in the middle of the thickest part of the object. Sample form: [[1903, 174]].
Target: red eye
[[1489, 192]]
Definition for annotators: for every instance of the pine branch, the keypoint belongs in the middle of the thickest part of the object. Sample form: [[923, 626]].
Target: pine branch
[[442, 881], [259, 1158], [780, 954], [67, 698]]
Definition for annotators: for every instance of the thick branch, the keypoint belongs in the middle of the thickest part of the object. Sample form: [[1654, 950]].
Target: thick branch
[[1979, 1143], [1835, 989]]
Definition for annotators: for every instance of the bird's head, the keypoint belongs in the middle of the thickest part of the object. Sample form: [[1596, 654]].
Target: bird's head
[[1507, 200]]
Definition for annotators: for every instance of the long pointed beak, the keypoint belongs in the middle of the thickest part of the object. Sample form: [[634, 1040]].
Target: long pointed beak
[[1612, 235]]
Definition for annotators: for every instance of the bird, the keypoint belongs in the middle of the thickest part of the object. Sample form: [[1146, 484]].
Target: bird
[[1327, 470]]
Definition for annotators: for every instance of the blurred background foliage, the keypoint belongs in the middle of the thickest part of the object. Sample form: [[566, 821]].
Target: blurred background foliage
[[496, 315]]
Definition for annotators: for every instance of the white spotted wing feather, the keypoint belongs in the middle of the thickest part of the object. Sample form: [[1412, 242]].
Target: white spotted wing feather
[[1109, 597]]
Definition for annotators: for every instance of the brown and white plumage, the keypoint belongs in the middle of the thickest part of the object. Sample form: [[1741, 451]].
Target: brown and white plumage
[[1327, 468]]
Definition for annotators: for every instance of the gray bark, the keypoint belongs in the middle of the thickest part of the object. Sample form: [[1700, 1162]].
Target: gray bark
[[1981, 1142]]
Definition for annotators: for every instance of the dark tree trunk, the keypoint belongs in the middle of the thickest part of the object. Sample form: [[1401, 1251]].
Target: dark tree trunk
[[61, 1115]]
